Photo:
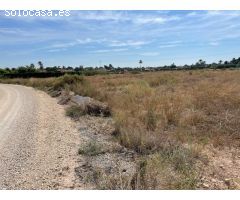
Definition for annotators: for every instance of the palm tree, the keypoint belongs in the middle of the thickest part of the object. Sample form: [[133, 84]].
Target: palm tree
[[40, 65], [140, 62]]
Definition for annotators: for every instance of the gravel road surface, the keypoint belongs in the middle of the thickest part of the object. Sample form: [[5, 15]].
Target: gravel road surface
[[38, 143]]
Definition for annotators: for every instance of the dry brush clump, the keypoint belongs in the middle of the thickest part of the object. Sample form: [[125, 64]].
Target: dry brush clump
[[75, 112], [171, 168], [91, 149]]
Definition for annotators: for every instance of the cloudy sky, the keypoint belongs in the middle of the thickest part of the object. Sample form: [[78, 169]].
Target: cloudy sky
[[120, 37]]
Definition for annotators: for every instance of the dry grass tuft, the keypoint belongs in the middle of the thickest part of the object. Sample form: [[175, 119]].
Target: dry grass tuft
[[91, 149]]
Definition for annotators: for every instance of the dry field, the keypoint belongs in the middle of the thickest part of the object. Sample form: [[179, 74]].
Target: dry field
[[182, 125]]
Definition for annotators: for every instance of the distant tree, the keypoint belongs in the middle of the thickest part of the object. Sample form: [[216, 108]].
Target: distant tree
[[220, 62], [7, 70], [110, 66], [30, 68], [32, 65], [89, 68], [52, 69], [233, 61], [69, 68], [22, 70], [238, 60], [200, 63], [173, 66], [238, 65], [140, 63], [214, 65], [2, 71], [40, 65], [185, 66], [78, 69], [106, 67]]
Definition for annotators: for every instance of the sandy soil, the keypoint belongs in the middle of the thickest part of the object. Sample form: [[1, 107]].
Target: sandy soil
[[222, 170], [37, 141]]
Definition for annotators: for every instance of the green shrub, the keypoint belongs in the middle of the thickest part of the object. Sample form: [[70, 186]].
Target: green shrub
[[67, 80]]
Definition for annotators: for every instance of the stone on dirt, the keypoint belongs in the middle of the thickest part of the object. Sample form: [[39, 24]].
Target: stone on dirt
[[91, 106]]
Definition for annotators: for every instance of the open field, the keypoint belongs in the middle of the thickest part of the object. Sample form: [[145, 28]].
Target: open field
[[182, 125]]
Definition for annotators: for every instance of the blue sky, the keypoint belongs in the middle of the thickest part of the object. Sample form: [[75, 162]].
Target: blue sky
[[120, 37]]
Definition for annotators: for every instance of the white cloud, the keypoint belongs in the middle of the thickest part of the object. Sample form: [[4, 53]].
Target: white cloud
[[127, 43], [125, 16], [109, 50], [174, 42], [154, 19], [214, 43], [9, 31], [56, 50], [76, 42], [168, 45], [150, 54], [192, 14], [90, 40], [103, 16], [84, 41], [105, 42], [158, 20], [214, 12], [63, 45], [231, 14]]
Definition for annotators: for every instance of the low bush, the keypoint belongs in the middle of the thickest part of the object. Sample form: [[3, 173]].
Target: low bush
[[75, 112], [92, 148]]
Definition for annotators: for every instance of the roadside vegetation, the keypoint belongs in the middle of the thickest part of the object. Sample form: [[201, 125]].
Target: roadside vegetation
[[91, 149], [167, 118]]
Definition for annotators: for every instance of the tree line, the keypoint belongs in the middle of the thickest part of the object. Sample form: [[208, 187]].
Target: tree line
[[41, 71]]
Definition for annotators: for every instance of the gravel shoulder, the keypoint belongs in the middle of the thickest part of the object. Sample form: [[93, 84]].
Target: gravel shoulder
[[38, 142]]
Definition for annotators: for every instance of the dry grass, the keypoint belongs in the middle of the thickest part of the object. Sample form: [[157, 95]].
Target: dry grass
[[155, 112], [203, 106]]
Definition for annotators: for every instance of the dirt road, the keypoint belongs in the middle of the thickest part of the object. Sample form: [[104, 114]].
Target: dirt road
[[37, 142]]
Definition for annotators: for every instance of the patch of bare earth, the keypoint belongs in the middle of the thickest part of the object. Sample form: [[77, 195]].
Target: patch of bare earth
[[104, 164], [222, 170]]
